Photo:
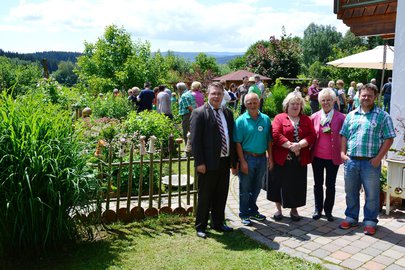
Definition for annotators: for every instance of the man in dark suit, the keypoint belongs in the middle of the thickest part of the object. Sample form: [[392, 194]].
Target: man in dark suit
[[214, 153]]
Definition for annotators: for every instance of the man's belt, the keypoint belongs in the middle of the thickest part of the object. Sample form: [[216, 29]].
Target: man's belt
[[361, 158], [254, 154]]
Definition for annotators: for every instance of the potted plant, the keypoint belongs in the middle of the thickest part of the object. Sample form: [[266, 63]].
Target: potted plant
[[383, 185]]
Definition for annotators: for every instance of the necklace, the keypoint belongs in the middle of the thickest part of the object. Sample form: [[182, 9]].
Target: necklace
[[294, 118]]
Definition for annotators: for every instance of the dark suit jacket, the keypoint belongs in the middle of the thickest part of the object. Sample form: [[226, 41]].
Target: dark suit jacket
[[206, 138]]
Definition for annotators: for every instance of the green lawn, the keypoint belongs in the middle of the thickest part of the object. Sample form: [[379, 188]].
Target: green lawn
[[165, 243]]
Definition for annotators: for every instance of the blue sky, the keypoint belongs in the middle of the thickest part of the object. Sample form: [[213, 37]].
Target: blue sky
[[179, 25]]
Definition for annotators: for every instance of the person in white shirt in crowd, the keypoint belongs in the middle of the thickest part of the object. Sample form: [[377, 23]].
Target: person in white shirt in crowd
[[163, 104], [350, 96], [227, 97]]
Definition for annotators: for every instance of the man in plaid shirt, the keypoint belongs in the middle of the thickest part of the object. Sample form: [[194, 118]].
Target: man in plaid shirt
[[367, 135], [186, 105]]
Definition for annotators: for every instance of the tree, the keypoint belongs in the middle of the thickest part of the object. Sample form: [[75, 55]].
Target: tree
[[318, 43], [237, 63], [205, 63], [114, 61], [65, 73], [275, 58], [17, 76]]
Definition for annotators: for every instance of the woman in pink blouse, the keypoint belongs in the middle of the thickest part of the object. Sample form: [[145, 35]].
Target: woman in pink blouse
[[196, 92], [326, 152]]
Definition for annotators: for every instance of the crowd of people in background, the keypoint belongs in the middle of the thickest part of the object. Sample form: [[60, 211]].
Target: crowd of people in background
[[345, 127]]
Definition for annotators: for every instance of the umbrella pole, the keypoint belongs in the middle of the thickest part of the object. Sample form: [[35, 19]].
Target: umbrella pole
[[383, 73]]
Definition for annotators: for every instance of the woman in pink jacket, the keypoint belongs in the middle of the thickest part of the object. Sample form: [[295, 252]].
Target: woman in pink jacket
[[326, 152]]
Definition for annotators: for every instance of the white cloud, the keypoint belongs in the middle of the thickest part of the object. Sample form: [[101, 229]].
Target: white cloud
[[187, 25]]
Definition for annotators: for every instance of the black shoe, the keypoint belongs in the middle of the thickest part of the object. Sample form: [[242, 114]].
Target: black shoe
[[316, 215], [201, 234], [278, 217], [223, 228], [330, 218], [295, 218]]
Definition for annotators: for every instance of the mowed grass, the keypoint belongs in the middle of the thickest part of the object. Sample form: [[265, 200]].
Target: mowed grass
[[165, 243]]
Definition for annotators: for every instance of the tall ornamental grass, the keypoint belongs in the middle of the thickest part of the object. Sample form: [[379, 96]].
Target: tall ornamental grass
[[42, 180]]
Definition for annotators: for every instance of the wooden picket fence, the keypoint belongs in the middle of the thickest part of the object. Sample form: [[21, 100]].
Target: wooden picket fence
[[175, 195]]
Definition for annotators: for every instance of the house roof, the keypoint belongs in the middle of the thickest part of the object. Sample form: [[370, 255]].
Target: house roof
[[238, 75], [368, 18]]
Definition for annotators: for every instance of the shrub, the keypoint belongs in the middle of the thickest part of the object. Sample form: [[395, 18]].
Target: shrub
[[307, 109], [150, 123], [273, 105], [110, 106], [42, 175]]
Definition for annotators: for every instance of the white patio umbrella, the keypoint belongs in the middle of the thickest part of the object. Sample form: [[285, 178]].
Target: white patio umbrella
[[381, 57], [373, 59]]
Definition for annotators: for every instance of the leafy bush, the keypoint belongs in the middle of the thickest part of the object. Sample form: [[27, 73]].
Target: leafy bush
[[18, 76], [274, 104], [307, 109], [150, 123], [110, 106], [42, 175]]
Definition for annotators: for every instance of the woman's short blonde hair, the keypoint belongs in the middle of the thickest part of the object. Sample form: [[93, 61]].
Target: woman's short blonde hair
[[331, 84], [195, 85], [327, 92], [340, 82], [293, 97]]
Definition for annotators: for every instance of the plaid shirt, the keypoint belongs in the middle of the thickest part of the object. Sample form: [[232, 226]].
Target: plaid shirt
[[366, 132], [186, 100]]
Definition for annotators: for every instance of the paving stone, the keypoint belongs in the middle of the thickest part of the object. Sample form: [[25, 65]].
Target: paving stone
[[332, 266], [384, 259], [312, 246], [399, 248], [382, 245], [351, 264], [297, 232], [341, 242], [320, 253], [362, 257], [322, 240], [372, 265], [266, 232], [340, 255], [292, 243], [371, 251], [394, 267], [303, 250], [331, 247], [393, 254], [361, 244], [401, 262], [332, 260], [324, 229], [400, 230], [351, 249]]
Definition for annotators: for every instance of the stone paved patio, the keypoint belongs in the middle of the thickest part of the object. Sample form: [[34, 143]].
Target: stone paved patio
[[321, 241]]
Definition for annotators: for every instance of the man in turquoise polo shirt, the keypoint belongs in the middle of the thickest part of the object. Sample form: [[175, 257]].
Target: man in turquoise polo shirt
[[252, 135]]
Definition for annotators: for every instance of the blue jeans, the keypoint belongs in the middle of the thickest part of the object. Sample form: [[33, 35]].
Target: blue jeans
[[250, 185], [358, 173], [387, 101]]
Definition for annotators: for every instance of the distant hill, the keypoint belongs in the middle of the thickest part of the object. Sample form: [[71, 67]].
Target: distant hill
[[53, 57], [222, 57]]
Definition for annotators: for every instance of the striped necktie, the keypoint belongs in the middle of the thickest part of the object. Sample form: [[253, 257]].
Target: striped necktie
[[224, 146]]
